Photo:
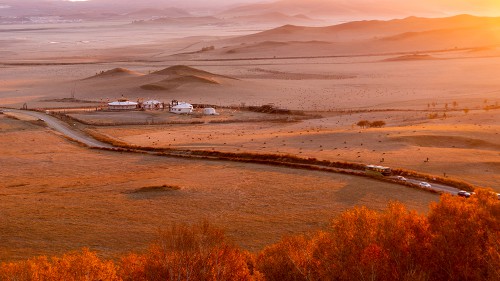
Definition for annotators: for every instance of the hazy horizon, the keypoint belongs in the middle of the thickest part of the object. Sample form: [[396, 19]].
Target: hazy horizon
[[367, 7]]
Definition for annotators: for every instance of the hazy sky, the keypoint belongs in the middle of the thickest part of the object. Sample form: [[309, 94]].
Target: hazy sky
[[119, 5], [152, 2], [489, 7], [486, 6]]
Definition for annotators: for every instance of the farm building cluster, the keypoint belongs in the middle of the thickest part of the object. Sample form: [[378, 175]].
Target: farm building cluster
[[174, 106]]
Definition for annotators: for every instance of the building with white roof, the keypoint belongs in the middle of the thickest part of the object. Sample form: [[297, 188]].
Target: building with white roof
[[122, 104], [181, 107], [209, 111], [153, 104]]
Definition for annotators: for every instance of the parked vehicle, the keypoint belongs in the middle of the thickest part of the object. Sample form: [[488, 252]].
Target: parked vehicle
[[374, 170], [425, 184], [463, 193]]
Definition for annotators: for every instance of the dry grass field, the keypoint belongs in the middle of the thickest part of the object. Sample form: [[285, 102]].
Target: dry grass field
[[57, 196], [437, 94], [462, 146]]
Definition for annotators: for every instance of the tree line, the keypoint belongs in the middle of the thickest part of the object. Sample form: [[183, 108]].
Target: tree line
[[459, 239]]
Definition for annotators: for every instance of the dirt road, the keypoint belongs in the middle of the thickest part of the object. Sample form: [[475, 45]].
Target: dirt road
[[63, 128]]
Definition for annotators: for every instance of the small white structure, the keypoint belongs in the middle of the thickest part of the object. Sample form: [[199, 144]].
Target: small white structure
[[152, 105], [181, 107], [209, 111], [122, 104]]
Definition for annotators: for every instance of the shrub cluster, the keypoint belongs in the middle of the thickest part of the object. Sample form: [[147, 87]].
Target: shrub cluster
[[368, 124], [458, 240], [269, 109], [75, 266]]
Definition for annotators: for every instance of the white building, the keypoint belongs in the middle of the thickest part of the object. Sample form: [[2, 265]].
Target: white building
[[181, 108], [209, 111], [122, 104], [152, 105]]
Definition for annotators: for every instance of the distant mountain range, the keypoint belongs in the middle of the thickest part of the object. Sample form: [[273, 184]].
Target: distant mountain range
[[411, 35], [153, 12], [297, 12], [369, 9], [15, 12], [372, 29], [333, 8], [268, 19]]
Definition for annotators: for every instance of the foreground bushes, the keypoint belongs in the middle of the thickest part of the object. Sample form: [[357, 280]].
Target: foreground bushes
[[75, 266], [458, 240], [197, 252]]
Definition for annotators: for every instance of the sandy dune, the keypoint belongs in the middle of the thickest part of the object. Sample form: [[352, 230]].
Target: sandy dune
[[171, 77], [174, 83], [116, 73], [410, 58], [183, 70]]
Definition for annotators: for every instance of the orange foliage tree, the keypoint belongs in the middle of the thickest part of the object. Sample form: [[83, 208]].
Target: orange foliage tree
[[197, 252], [459, 240], [75, 266], [360, 245], [466, 237], [291, 259]]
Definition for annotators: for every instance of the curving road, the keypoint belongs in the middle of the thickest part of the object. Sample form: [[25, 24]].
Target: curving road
[[435, 186], [81, 137], [63, 128]]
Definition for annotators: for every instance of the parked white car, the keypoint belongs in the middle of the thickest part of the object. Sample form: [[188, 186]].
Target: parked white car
[[425, 184], [401, 178]]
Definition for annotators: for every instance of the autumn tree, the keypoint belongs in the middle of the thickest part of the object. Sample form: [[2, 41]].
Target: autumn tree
[[367, 245], [466, 237], [360, 245], [184, 252], [459, 240], [290, 259], [74, 266]]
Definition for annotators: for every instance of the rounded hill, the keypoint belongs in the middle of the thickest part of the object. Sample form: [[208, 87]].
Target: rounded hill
[[115, 72]]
